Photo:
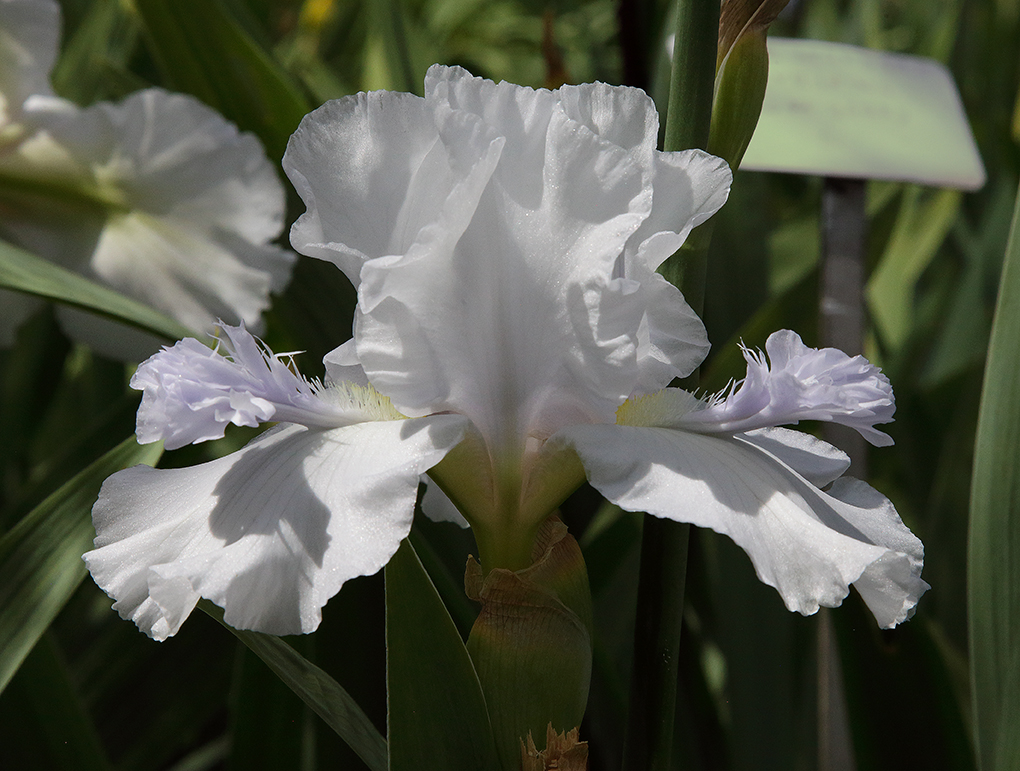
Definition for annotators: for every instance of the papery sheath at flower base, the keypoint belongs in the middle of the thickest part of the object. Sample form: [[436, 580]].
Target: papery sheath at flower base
[[512, 338], [157, 196]]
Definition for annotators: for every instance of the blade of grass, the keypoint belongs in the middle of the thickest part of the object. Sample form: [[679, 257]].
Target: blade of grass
[[993, 563], [24, 272], [200, 48], [437, 714], [317, 689], [40, 558]]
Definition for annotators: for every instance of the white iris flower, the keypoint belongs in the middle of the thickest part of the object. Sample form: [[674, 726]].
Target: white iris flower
[[157, 196], [512, 338]]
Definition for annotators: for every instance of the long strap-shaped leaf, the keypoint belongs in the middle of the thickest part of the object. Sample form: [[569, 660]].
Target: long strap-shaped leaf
[[24, 272], [318, 690], [993, 562], [437, 715], [200, 48], [40, 558]]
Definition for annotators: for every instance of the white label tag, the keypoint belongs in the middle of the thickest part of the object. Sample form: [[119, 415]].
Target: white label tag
[[842, 111]]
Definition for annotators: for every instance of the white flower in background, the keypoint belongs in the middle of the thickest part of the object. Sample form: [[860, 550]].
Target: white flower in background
[[29, 37], [157, 196], [504, 243]]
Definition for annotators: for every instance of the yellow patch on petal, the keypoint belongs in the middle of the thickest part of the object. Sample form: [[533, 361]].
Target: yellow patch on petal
[[663, 409]]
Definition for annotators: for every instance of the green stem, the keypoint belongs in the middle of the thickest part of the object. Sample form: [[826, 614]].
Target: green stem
[[73, 194], [661, 583]]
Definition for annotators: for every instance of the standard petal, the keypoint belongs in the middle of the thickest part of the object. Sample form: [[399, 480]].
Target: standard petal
[[624, 116], [376, 169], [672, 340], [520, 325], [689, 187], [808, 544], [269, 533]]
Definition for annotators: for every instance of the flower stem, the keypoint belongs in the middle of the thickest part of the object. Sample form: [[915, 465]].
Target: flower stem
[[661, 583]]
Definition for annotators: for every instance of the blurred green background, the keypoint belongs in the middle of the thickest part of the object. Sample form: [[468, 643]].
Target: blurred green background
[[96, 694]]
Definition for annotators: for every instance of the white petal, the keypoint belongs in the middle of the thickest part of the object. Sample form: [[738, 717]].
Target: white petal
[[818, 462], [268, 533], [438, 507], [690, 187], [801, 384], [521, 319], [190, 206], [808, 544], [376, 169], [190, 393], [29, 38], [621, 115], [672, 341], [342, 365], [503, 241]]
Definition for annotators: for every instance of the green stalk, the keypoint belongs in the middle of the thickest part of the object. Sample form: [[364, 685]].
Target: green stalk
[[993, 560], [649, 743]]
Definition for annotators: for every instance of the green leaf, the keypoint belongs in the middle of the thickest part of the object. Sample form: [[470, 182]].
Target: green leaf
[[437, 714], [921, 226], [40, 558], [93, 64], [994, 550], [44, 710], [25, 272], [200, 48], [317, 689]]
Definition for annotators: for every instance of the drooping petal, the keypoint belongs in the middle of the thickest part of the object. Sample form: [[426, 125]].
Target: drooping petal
[[268, 533], [437, 506], [29, 39], [818, 462], [808, 544], [802, 383]]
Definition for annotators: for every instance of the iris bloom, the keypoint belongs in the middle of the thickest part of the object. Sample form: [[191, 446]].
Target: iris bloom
[[512, 338], [157, 196]]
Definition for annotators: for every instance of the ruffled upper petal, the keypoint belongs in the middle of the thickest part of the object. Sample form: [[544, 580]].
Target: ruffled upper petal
[[808, 544], [268, 533], [486, 227], [379, 171], [521, 311]]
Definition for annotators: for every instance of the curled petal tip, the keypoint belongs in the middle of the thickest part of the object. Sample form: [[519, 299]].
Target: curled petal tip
[[799, 383], [190, 392]]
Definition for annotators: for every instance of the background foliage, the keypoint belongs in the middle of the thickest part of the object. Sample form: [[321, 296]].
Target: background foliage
[[93, 693]]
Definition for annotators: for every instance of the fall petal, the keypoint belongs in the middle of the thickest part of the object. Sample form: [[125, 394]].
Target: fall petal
[[269, 533], [808, 544]]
